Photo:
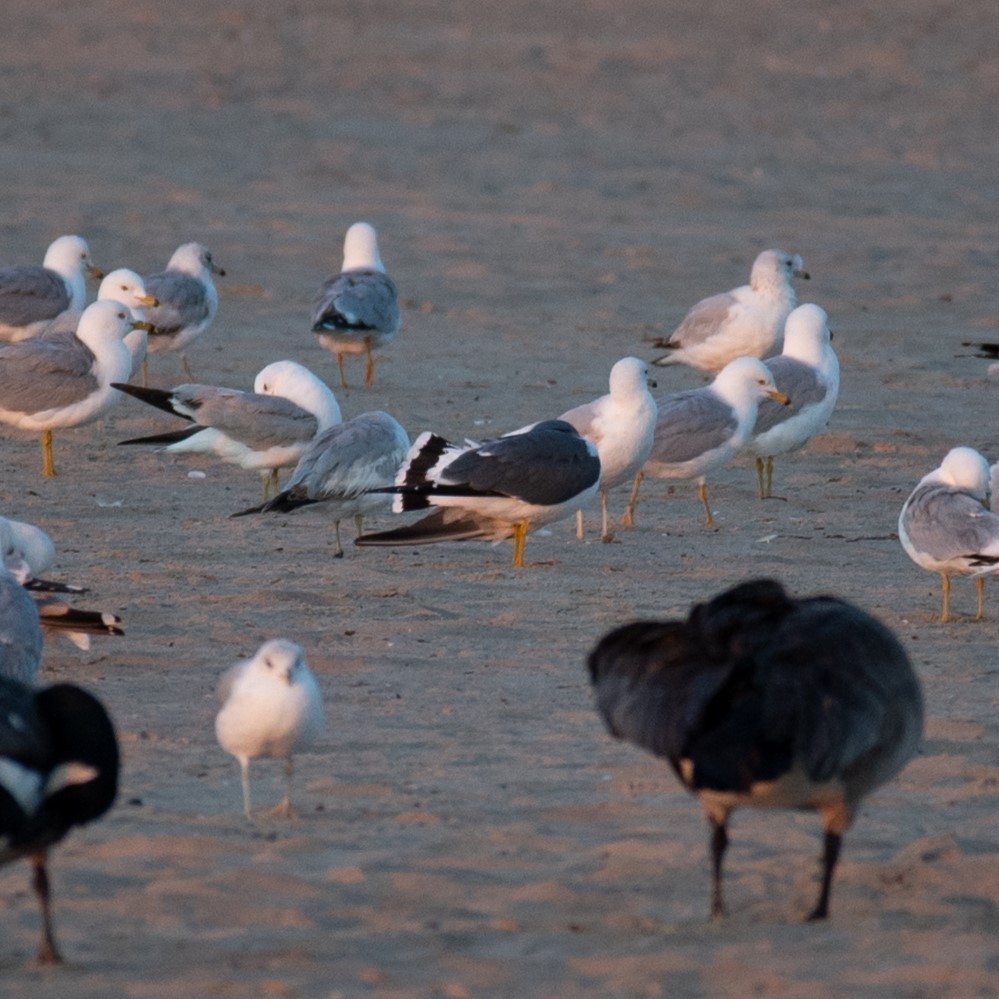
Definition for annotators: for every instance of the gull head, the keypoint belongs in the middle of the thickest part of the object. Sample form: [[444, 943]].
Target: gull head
[[360, 249], [966, 469], [777, 267], [70, 255], [279, 659], [745, 380], [125, 286], [194, 259]]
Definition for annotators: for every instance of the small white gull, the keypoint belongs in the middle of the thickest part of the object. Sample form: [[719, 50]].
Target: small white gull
[[357, 310], [270, 707], [748, 320]]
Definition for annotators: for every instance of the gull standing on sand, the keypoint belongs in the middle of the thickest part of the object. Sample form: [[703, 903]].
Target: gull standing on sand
[[807, 372], [621, 425], [700, 429], [946, 525], [121, 285], [49, 384], [748, 320], [500, 489], [765, 701], [271, 706], [32, 296], [340, 467], [263, 430], [59, 766], [20, 632], [188, 301], [357, 310]]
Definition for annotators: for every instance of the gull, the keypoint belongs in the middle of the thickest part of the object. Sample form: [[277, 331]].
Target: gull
[[502, 488], [748, 320], [340, 467], [49, 384], [187, 299], [33, 550], [767, 701], [121, 285], [20, 632], [698, 430], [58, 769], [32, 296], [621, 425], [946, 525], [270, 706], [808, 373], [263, 430], [357, 310]]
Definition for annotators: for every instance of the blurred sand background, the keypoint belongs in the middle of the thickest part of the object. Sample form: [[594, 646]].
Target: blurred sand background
[[553, 185]]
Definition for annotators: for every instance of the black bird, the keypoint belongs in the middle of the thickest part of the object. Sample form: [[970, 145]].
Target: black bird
[[763, 700], [58, 769]]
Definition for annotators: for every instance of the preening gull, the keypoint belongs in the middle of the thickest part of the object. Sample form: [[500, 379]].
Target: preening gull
[[946, 525], [32, 296], [20, 632], [188, 301], [270, 706], [48, 384], [621, 424], [500, 489], [700, 429], [807, 372], [762, 700], [263, 430], [340, 467], [357, 310], [748, 320], [58, 769], [124, 286]]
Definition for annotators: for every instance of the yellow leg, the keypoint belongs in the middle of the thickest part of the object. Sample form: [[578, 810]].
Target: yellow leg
[[186, 366], [760, 490], [359, 523], [702, 492], [770, 476], [605, 533], [519, 540], [369, 368], [48, 465], [945, 614], [339, 548], [628, 520], [579, 524], [339, 364], [980, 586]]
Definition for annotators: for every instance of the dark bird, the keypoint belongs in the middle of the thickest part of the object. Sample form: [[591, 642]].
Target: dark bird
[[763, 700], [58, 769]]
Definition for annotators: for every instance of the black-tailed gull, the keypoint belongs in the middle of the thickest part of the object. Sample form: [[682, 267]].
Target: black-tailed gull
[[500, 489], [49, 384], [188, 301], [748, 320], [807, 372], [263, 430], [270, 706], [621, 424], [699, 430], [765, 701], [58, 769], [31, 296], [340, 467], [946, 525], [357, 310]]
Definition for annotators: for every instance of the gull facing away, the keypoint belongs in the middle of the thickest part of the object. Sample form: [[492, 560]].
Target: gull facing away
[[58, 769], [270, 706], [121, 285], [946, 525], [699, 430], [20, 632], [188, 301], [807, 372], [500, 489], [357, 310], [263, 430], [339, 469], [49, 384], [32, 296], [748, 320], [767, 701], [621, 425]]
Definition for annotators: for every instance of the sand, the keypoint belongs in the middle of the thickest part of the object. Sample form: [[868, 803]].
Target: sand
[[553, 187]]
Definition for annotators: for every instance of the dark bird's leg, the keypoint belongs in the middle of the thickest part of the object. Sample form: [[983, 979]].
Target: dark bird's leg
[[48, 953], [48, 465], [719, 841], [945, 613], [339, 364], [519, 539], [980, 586], [830, 854], [369, 368], [770, 476], [702, 493], [761, 491]]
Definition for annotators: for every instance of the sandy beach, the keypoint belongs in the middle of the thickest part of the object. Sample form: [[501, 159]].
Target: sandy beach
[[553, 188]]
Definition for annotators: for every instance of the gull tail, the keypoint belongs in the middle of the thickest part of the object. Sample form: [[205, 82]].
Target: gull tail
[[166, 439], [989, 350], [160, 398], [284, 502], [77, 625], [441, 525]]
